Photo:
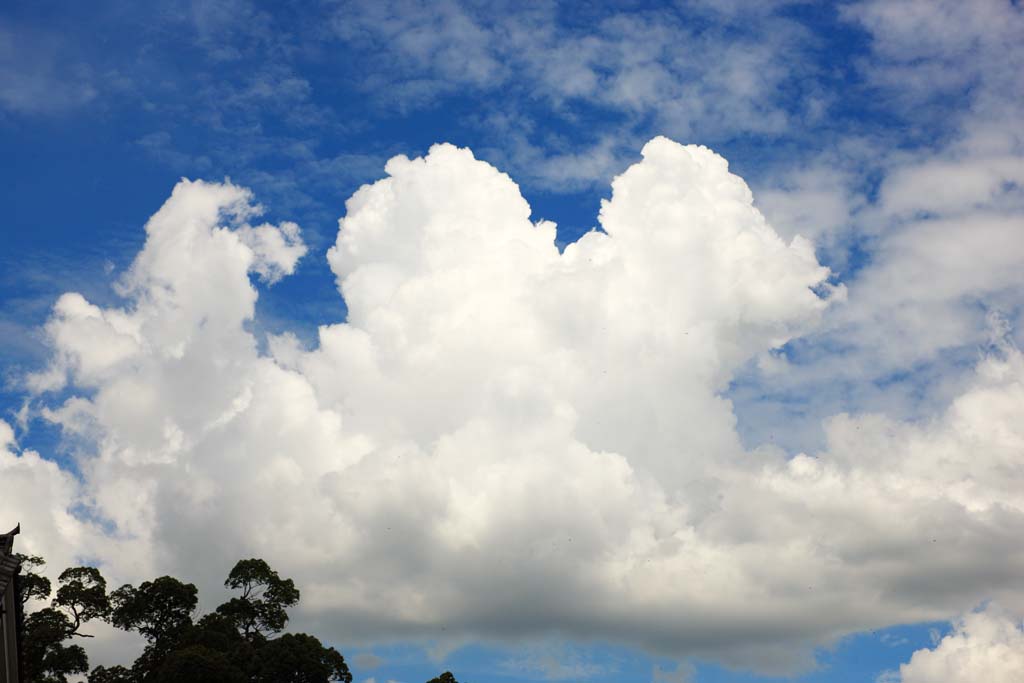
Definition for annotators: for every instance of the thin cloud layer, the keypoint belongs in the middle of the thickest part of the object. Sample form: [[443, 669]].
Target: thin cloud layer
[[699, 70], [504, 441]]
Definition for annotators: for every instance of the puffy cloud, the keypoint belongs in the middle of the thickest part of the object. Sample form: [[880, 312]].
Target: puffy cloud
[[47, 501], [984, 646], [51, 529], [185, 257], [276, 249], [440, 267], [506, 441]]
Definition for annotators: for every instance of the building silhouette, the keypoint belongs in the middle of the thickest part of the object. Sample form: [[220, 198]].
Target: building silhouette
[[10, 608]]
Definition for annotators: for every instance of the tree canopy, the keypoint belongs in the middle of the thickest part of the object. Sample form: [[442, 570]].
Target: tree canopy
[[157, 609], [261, 608], [81, 597], [239, 642]]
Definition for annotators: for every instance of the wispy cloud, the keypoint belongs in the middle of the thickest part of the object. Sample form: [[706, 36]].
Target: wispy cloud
[[39, 76]]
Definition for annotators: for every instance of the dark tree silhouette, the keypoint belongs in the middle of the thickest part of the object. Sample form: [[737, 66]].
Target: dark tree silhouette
[[81, 597], [260, 610], [300, 658], [45, 657], [31, 586], [240, 642], [114, 674], [234, 644], [199, 664], [157, 609]]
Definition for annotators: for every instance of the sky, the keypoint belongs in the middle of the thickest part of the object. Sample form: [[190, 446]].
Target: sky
[[617, 342]]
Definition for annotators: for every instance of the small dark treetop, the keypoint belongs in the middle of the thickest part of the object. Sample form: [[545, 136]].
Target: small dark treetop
[[446, 677]]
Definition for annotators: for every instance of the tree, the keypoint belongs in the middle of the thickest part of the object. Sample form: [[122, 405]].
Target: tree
[[81, 597], [45, 657], [161, 611], [199, 664], [213, 633], [237, 643], [446, 677], [31, 585], [157, 609], [115, 674], [300, 658], [261, 609]]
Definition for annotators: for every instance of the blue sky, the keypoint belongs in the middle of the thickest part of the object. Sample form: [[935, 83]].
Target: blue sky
[[831, 406]]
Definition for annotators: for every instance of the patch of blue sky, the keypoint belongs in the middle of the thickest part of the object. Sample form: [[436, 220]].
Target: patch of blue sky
[[39, 434], [857, 658]]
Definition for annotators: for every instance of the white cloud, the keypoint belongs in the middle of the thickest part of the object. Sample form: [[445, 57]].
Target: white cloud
[[39, 495], [987, 645], [503, 440], [816, 201], [276, 249], [954, 185]]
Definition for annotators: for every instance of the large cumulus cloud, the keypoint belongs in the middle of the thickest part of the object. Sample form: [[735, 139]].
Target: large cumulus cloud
[[506, 441]]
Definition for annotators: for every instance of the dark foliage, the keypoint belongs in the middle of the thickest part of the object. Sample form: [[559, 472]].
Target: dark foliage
[[234, 644], [240, 642], [45, 657], [199, 664], [115, 674], [260, 610], [32, 586], [158, 609], [81, 597], [299, 658]]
